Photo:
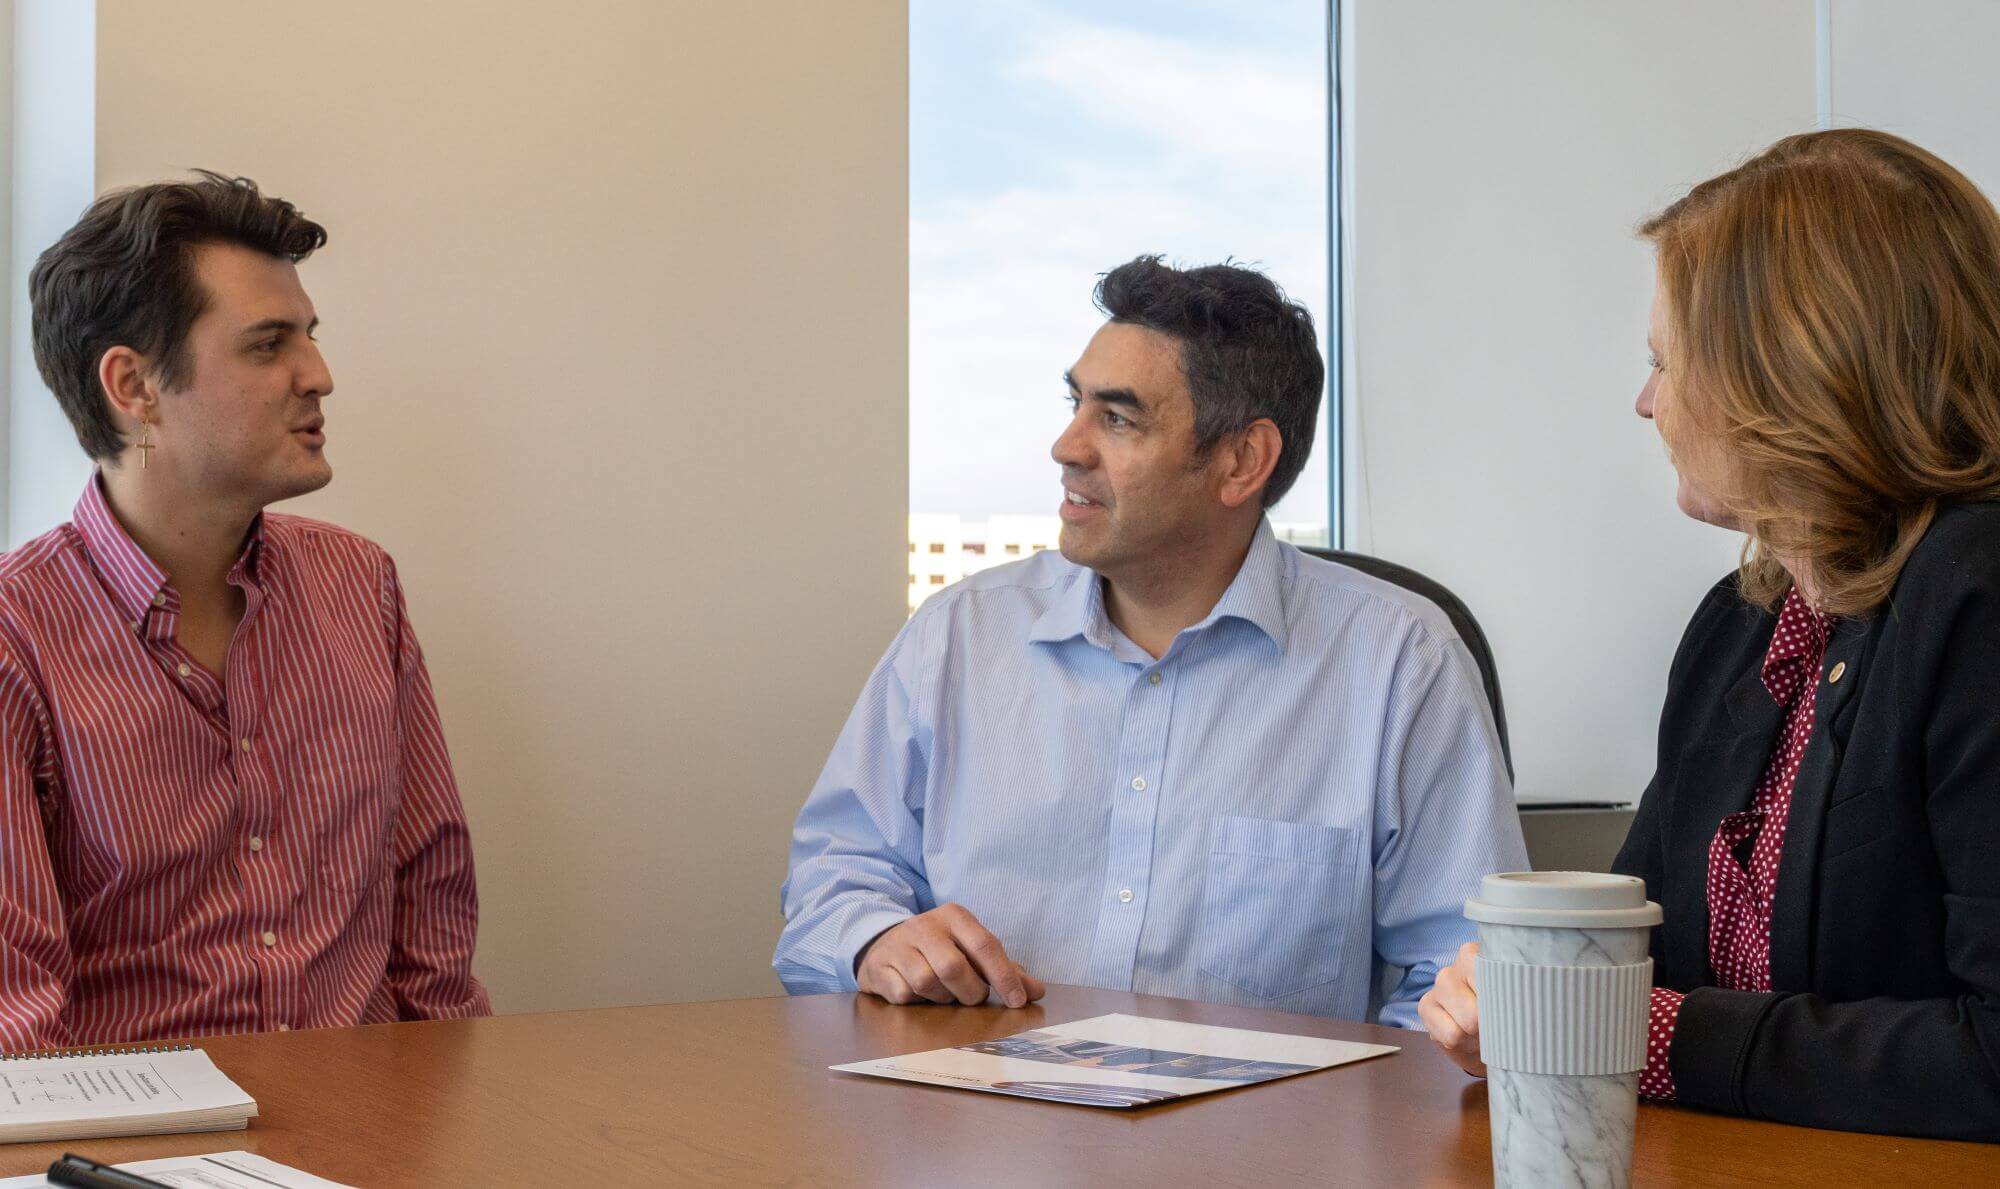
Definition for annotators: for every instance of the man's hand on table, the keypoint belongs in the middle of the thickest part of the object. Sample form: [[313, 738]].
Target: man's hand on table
[[944, 956]]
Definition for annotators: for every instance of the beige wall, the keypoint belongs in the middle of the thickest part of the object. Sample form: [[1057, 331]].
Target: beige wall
[[616, 307]]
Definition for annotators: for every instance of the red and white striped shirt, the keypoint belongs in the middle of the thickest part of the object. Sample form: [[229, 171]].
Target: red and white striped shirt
[[182, 852]]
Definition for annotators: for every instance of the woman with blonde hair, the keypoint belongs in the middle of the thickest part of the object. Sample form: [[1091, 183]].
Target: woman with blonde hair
[[1823, 827]]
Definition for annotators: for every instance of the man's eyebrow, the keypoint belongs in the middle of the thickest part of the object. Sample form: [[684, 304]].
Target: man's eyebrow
[[1123, 397], [287, 324]]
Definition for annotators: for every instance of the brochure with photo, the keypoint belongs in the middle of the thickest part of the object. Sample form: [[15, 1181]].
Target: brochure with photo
[[1119, 1061]]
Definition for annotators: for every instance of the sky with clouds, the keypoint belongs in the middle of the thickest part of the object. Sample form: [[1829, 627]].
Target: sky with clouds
[[1050, 141]]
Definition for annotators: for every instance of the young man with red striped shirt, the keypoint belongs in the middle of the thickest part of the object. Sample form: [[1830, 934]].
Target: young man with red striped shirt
[[225, 801]]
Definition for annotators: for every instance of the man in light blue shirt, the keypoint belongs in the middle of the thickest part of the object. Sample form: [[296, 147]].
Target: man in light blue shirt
[[1180, 758]]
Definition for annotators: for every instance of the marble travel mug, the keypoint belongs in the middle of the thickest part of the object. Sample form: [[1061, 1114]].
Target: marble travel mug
[[1564, 980]]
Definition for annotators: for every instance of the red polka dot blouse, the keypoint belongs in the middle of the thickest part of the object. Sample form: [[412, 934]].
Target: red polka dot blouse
[[1743, 855]]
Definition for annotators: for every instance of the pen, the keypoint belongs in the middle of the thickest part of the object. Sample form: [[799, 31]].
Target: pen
[[76, 1171]]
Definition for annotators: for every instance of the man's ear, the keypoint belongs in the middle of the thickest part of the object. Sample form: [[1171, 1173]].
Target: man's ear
[[127, 380], [1245, 461]]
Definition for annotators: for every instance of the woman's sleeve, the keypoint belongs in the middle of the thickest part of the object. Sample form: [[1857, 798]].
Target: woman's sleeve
[[1928, 1067]]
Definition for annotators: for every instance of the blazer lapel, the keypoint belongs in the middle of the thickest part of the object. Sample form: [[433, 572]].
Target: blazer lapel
[[1721, 771], [1793, 902]]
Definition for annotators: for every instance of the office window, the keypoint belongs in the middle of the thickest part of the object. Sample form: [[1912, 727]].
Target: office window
[[1050, 142], [48, 65]]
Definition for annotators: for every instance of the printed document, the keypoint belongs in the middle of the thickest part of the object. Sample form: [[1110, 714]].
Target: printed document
[[219, 1170], [133, 1092], [1120, 1061]]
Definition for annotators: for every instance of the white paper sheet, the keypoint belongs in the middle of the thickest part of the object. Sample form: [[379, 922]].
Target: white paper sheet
[[121, 1092], [218, 1170], [1119, 1061]]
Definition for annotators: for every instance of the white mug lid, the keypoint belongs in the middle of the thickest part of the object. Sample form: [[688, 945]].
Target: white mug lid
[[1563, 900]]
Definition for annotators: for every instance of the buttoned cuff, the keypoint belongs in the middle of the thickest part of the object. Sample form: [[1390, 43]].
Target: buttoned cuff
[[855, 938]]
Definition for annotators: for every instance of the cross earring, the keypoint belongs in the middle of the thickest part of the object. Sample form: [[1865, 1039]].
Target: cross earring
[[146, 446]]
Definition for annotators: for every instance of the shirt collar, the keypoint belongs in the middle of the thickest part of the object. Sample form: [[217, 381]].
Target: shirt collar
[[1256, 596], [136, 581], [1797, 644]]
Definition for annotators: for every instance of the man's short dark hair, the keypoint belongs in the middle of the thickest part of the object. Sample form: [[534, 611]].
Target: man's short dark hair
[[1247, 351], [125, 276]]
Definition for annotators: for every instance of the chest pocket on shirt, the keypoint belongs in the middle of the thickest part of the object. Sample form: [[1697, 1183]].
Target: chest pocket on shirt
[[1277, 903], [351, 795], [357, 857]]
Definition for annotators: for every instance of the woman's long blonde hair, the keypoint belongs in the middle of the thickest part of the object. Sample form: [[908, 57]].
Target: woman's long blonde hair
[[1833, 314]]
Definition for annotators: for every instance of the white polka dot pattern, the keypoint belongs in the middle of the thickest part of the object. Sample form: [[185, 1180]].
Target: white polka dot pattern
[[1657, 1082], [1740, 896]]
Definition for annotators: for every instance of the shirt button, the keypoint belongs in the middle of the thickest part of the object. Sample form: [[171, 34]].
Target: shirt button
[[160, 599], [284, 1027], [256, 843], [1125, 895], [1138, 784], [270, 939], [185, 671], [1153, 677], [245, 742], [1839, 669]]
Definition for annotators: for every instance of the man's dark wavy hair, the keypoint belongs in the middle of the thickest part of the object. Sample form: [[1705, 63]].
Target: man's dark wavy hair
[[1246, 349], [125, 276]]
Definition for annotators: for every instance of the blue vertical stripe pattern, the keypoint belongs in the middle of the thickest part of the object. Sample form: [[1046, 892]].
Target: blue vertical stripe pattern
[[1286, 807]]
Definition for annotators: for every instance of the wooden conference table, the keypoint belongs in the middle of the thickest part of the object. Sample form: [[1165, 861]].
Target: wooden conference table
[[737, 1093]]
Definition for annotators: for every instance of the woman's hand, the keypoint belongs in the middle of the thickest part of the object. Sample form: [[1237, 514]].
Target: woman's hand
[[1450, 1009]]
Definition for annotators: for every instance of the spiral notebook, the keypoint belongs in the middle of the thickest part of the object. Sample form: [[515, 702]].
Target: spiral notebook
[[90, 1093]]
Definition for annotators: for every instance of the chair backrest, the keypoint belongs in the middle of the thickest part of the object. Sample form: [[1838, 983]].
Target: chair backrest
[[1454, 609]]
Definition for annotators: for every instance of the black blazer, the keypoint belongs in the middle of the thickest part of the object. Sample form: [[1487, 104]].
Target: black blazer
[[1884, 1013]]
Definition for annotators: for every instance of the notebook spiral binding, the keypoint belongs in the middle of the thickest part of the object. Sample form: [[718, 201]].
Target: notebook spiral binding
[[113, 1051]]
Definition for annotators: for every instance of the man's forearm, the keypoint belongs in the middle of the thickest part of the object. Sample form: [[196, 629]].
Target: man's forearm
[[436, 931]]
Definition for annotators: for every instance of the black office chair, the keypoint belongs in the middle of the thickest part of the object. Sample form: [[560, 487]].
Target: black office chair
[[1454, 609]]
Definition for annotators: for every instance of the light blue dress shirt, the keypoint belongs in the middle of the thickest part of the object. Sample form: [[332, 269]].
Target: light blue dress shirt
[[1296, 797]]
